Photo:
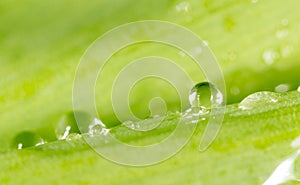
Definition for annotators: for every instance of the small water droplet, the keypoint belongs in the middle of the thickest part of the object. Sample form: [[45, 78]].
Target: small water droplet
[[258, 99], [26, 139], [270, 56], [183, 7], [282, 88], [285, 172], [68, 124], [202, 95]]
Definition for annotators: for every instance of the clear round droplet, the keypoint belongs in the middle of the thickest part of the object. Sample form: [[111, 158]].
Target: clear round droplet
[[26, 139], [258, 99], [205, 95], [68, 124]]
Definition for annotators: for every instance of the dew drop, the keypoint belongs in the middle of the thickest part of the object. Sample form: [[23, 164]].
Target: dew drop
[[282, 88], [258, 99], [26, 139], [68, 124], [202, 95], [183, 7]]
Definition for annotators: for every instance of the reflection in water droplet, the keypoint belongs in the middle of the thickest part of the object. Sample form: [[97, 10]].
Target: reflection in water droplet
[[282, 88], [68, 124], [26, 139], [202, 95], [257, 99], [183, 7], [285, 172], [270, 56]]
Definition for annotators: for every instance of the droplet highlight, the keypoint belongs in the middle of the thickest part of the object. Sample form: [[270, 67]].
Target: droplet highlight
[[270, 56], [183, 7], [258, 99], [26, 139]]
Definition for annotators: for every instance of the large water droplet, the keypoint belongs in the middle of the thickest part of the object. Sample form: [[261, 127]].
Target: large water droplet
[[26, 139], [68, 124], [203, 94], [282, 88], [258, 99]]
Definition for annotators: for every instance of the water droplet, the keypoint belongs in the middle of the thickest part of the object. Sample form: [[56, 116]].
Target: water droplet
[[282, 88], [68, 124], [202, 95], [258, 99], [26, 139], [146, 124], [270, 56], [183, 7], [285, 172]]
